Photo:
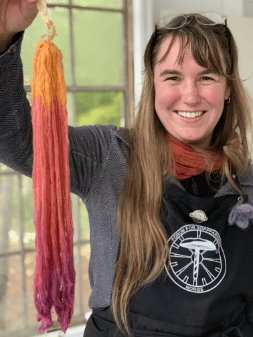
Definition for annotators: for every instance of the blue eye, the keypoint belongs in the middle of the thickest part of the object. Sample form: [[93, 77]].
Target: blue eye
[[209, 78], [170, 78]]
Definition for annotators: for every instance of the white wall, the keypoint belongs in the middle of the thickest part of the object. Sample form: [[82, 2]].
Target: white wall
[[143, 26], [223, 7], [248, 8]]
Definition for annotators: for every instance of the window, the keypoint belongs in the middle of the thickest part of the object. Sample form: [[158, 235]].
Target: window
[[95, 38]]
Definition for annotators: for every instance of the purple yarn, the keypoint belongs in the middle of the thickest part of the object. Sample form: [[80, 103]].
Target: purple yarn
[[240, 215]]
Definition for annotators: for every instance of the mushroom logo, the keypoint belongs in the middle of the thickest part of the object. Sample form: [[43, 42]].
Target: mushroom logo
[[197, 260]]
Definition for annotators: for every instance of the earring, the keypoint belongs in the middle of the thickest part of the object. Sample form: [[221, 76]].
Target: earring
[[228, 101]]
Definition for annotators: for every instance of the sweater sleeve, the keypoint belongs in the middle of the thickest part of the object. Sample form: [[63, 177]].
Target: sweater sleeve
[[15, 116]]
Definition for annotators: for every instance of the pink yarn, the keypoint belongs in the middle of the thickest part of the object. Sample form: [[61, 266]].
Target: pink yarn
[[54, 278]]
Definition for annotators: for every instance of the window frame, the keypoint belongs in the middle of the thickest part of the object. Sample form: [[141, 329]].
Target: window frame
[[128, 93]]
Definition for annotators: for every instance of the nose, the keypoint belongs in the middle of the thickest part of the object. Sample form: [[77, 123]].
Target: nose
[[190, 93]]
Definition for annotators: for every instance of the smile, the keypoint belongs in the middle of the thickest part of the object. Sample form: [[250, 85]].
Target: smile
[[191, 119], [190, 114]]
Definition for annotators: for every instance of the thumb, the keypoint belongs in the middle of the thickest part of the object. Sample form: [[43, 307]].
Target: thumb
[[32, 2], [29, 11]]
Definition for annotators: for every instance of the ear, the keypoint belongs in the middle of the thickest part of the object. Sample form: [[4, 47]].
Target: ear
[[227, 93]]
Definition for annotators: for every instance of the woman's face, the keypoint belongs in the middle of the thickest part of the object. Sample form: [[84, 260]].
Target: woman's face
[[189, 91]]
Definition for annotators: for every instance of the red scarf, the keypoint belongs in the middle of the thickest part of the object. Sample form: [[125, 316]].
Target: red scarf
[[188, 162]]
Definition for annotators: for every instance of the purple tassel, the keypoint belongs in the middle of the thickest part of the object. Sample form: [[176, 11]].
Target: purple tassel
[[240, 215]]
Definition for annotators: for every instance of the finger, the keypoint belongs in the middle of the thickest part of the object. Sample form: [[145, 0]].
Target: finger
[[32, 2]]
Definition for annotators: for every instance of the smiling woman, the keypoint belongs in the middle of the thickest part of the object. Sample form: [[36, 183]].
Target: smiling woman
[[202, 154]]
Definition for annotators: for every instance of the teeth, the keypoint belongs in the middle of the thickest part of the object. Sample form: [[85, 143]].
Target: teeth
[[190, 115]]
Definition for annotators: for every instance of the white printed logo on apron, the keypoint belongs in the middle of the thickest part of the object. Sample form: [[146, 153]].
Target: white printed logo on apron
[[198, 263]]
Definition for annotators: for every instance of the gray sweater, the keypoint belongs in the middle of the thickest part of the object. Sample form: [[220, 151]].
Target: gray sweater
[[97, 166]]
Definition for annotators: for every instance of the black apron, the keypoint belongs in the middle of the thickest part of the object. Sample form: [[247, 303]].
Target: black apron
[[209, 279]]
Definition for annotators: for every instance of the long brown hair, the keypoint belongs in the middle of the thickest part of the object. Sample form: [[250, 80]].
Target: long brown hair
[[143, 236]]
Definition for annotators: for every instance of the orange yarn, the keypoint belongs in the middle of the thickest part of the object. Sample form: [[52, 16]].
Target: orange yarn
[[54, 279]]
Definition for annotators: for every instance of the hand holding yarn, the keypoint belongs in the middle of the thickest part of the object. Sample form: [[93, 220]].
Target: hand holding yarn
[[16, 16]]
